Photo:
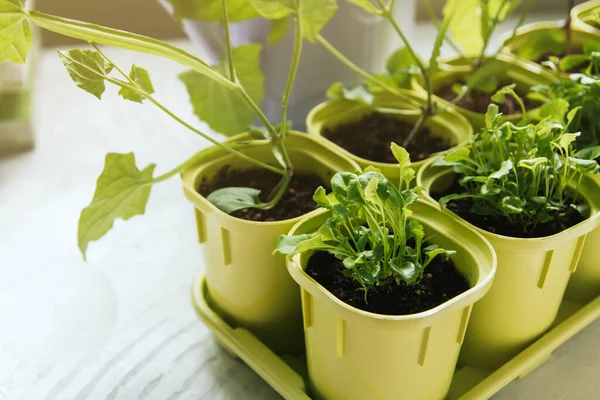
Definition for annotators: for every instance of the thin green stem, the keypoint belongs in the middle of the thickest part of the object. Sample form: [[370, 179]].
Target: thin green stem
[[416, 128], [293, 70], [522, 19], [232, 76], [367, 76], [436, 22], [487, 39]]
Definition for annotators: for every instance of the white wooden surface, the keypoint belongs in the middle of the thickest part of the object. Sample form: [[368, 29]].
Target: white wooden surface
[[121, 325]]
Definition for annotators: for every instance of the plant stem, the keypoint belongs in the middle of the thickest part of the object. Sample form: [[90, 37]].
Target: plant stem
[[293, 71], [436, 22], [523, 17], [416, 128], [568, 29], [232, 76], [368, 77], [487, 39]]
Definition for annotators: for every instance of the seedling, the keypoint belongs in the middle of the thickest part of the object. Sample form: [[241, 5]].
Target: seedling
[[370, 229], [526, 175], [226, 96]]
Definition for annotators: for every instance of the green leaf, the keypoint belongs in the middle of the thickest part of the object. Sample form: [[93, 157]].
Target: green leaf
[[591, 46], [555, 109], [400, 60], [87, 68], [122, 191], [504, 170], [314, 243], [401, 155], [457, 155], [365, 5], [315, 15], [407, 271], [491, 114], [232, 199], [279, 28], [499, 96], [15, 32], [583, 209], [532, 163], [337, 91], [566, 139], [485, 78], [273, 9], [320, 197], [586, 166], [340, 184], [211, 10], [589, 153], [512, 205], [371, 191], [572, 61], [220, 107], [142, 79], [432, 252], [572, 114], [287, 244]]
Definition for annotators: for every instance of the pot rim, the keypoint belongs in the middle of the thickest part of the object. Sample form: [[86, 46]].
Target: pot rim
[[449, 115], [213, 154], [593, 221], [582, 8], [481, 252]]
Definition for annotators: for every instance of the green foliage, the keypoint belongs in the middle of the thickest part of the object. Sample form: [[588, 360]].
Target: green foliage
[[222, 108], [525, 174], [370, 229], [88, 69], [140, 77], [476, 20], [232, 199], [211, 10], [314, 13], [279, 28], [593, 19], [15, 32], [358, 93], [122, 191]]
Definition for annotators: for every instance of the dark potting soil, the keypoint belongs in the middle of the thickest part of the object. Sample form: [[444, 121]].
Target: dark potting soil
[[440, 283], [296, 201], [501, 226], [370, 138], [478, 101]]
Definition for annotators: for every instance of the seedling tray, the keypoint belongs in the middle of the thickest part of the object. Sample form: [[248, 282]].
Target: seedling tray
[[287, 374]]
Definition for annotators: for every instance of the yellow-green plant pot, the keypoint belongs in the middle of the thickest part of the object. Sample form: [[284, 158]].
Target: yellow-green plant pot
[[533, 40], [525, 75], [581, 12], [447, 124], [584, 285], [530, 281], [249, 286], [354, 354]]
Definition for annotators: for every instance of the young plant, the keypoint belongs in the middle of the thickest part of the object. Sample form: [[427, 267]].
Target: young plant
[[226, 96], [524, 175], [402, 65], [369, 228]]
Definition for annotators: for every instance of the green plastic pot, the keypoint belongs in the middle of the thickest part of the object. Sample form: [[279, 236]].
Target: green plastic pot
[[15, 105], [247, 285], [584, 285], [533, 40], [523, 74], [447, 124], [579, 14], [354, 354], [530, 281]]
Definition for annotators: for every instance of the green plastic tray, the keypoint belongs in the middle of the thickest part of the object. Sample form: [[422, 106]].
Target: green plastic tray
[[287, 374]]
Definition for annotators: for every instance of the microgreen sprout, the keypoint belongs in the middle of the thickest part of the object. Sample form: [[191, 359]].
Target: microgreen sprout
[[527, 175], [370, 228]]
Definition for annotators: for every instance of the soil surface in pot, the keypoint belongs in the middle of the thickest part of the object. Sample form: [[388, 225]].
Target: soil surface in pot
[[440, 283], [501, 226], [478, 101], [297, 200], [370, 138]]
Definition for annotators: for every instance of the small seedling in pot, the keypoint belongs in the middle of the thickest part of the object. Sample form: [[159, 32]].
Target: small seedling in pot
[[520, 181], [370, 231], [226, 96]]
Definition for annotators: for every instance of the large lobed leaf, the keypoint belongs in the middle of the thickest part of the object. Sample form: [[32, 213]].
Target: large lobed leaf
[[211, 10], [88, 69], [221, 107], [122, 191], [15, 32]]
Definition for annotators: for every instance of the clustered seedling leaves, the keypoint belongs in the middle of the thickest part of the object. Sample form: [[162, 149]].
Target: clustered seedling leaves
[[369, 228], [527, 174]]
